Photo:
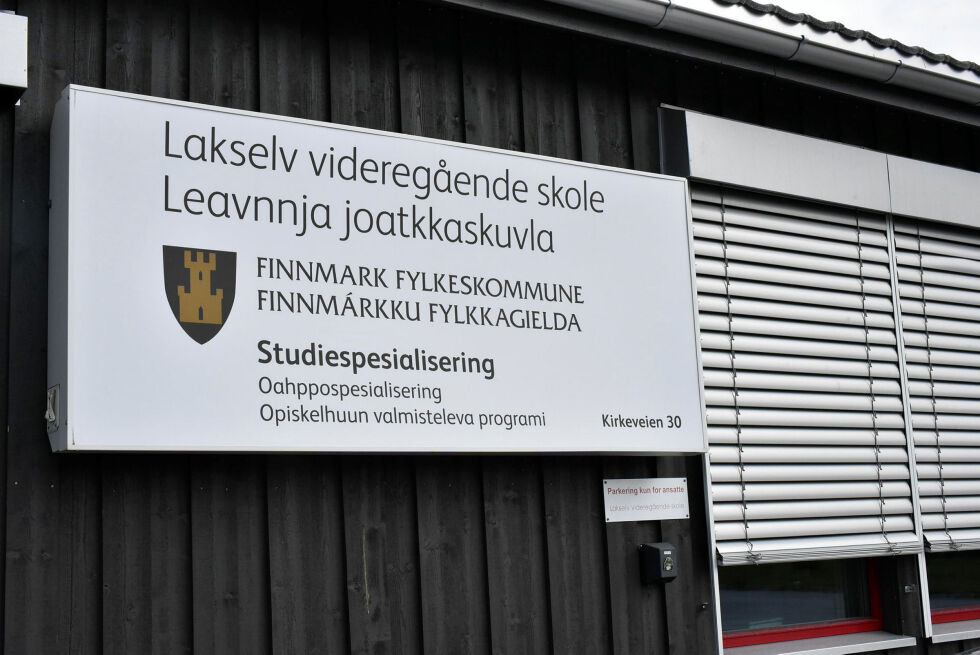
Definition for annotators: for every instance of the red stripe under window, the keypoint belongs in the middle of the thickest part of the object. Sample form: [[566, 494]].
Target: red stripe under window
[[951, 614], [789, 633]]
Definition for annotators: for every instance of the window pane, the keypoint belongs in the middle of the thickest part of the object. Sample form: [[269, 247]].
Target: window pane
[[954, 579], [776, 595]]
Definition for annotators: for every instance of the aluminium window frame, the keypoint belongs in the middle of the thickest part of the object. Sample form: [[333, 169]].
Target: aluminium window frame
[[727, 153]]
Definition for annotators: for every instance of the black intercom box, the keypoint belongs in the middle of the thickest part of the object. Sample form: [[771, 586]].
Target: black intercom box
[[658, 563]]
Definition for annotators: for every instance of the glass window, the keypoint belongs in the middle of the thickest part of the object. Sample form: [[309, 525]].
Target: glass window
[[778, 602], [954, 585]]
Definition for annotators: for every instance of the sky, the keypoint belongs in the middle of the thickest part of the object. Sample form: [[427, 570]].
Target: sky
[[943, 26]]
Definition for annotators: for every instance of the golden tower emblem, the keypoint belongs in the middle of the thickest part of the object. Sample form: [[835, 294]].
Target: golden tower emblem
[[200, 286]]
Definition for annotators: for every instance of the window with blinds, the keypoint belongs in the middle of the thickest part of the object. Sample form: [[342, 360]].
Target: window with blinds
[[808, 453], [939, 288]]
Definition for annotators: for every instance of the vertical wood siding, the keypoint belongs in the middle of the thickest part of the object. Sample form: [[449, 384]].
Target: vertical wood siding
[[325, 554]]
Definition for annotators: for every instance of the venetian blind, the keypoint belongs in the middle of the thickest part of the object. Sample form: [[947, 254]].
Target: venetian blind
[[808, 452], [939, 288]]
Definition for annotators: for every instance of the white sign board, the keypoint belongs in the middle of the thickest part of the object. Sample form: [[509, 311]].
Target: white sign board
[[645, 499], [225, 280]]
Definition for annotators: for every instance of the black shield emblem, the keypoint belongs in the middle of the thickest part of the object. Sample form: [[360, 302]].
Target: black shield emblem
[[200, 285]]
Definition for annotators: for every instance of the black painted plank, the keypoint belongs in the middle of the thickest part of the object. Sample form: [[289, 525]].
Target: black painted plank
[[603, 106], [146, 555], [740, 96], [576, 555], [364, 64], [782, 108], [855, 122], [697, 86], [145, 499], [306, 556], [513, 504], [229, 555], [294, 60], [229, 524], [573, 514], [306, 528], [147, 49], [548, 94], [819, 119], [382, 555], [636, 612], [689, 606], [429, 72], [81, 481], [923, 139], [224, 53], [491, 83], [651, 82], [639, 623], [452, 557], [956, 146], [53, 577], [516, 555], [6, 208], [379, 492], [891, 131]]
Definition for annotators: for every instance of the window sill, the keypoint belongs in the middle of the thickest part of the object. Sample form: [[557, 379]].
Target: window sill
[[861, 642], [955, 631]]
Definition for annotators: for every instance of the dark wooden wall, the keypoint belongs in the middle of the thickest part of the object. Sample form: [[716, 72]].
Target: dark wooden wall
[[371, 554]]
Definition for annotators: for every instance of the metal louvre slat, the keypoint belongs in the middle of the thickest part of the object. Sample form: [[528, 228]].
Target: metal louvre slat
[[717, 377], [802, 400], [749, 343], [710, 266], [796, 329], [787, 259], [837, 240], [789, 294], [930, 232], [953, 247], [815, 548], [917, 325], [757, 511], [823, 472], [811, 526], [908, 271], [950, 454], [923, 421], [721, 435], [953, 487], [942, 373], [924, 389], [940, 341], [708, 303], [798, 364], [802, 418], [951, 438], [872, 234], [939, 294], [933, 504], [956, 471], [913, 308], [785, 207], [941, 357], [759, 454], [802, 389], [767, 491]]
